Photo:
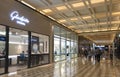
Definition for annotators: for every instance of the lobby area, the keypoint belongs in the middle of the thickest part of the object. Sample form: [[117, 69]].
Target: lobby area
[[60, 38]]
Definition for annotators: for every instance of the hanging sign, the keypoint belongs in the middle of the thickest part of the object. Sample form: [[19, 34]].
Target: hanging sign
[[19, 19]]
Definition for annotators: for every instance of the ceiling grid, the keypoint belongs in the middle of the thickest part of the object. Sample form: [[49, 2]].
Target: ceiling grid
[[82, 16]]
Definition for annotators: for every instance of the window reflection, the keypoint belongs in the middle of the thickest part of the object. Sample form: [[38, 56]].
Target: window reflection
[[65, 42], [2, 48], [39, 49]]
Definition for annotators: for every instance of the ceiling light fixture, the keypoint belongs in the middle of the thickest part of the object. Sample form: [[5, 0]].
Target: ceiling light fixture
[[86, 17], [47, 10], [61, 8], [28, 4], [62, 20], [41, 12], [116, 13], [78, 4], [74, 19], [71, 26], [96, 1], [115, 22]]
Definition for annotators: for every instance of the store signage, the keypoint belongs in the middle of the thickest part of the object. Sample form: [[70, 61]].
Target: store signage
[[19, 19]]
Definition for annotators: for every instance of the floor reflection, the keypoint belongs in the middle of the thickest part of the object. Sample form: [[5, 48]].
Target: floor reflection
[[74, 68]]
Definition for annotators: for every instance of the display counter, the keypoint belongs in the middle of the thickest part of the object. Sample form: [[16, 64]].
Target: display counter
[[39, 59]]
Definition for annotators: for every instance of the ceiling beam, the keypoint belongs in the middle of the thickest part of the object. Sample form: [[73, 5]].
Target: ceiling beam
[[99, 32]]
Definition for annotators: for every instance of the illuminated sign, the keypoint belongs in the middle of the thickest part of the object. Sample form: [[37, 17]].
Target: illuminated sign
[[19, 19]]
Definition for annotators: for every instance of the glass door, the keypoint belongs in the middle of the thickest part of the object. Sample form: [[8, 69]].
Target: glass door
[[56, 49], [18, 49], [2, 48]]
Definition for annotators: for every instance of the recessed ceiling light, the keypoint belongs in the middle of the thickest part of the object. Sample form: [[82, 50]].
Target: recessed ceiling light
[[47, 10], [61, 8], [78, 4], [86, 17], [62, 20], [115, 22], [74, 19], [95, 30], [71, 26], [116, 13], [96, 1]]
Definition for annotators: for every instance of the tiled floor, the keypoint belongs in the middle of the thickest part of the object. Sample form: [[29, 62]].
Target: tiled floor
[[75, 68]]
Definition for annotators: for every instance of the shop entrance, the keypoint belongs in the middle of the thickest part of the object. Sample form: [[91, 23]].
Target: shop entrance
[[18, 49], [14, 52]]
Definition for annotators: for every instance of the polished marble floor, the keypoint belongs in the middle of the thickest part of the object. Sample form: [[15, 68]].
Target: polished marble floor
[[74, 68]]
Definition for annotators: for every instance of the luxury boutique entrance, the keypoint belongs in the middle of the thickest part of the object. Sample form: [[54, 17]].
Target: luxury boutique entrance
[[20, 50]]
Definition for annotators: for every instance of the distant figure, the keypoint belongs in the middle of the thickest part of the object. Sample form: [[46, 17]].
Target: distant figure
[[68, 54], [22, 56], [98, 54], [55, 52], [85, 53], [111, 55]]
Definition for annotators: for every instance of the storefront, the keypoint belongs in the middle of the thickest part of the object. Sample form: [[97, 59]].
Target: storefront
[[24, 37], [25, 32], [65, 43]]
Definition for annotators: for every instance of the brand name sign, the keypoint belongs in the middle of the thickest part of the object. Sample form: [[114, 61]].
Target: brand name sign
[[19, 19]]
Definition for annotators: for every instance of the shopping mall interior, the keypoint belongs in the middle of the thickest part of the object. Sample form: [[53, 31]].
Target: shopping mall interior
[[60, 38]]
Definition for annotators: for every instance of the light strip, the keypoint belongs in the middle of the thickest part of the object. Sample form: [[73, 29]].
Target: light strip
[[18, 43], [51, 17], [103, 23], [28, 4], [116, 13], [71, 26], [62, 20], [86, 17], [96, 1], [74, 19]]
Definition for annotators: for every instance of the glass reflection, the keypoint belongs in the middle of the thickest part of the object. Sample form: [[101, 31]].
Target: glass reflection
[[64, 44]]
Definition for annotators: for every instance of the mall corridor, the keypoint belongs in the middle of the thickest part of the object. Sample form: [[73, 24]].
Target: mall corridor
[[74, 68], [60, 38]]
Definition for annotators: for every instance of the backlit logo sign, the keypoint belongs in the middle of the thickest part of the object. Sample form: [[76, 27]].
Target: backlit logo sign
[[19, 19]]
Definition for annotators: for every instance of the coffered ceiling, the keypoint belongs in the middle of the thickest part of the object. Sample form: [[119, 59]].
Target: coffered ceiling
[[81, 16]]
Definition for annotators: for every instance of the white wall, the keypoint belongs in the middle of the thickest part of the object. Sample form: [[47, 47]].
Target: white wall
[[16, 49]]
